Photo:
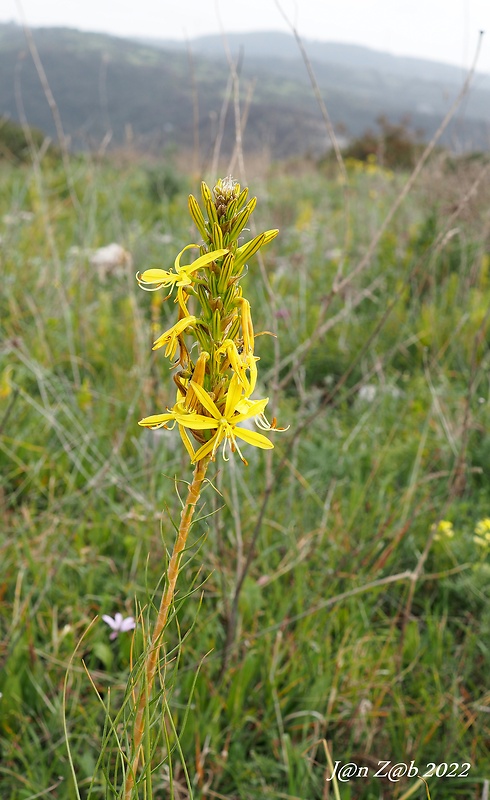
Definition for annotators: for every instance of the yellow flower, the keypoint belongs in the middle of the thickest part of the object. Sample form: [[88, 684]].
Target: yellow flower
[[482, 541], [483, 527], [182, 277], [186, 403], [239, 364], [482, 530], [156, 421], [171, 337], [444, 528], [226, 423], [260, 419]]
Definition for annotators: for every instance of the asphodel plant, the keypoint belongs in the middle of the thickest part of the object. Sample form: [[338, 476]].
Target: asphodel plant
[[212, 348]]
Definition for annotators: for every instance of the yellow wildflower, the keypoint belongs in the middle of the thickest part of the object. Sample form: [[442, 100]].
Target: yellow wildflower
[[171, 337], [240, 363], [483, 527], [225, 423], [186, 402], [214, 394], [153, 279], [482, 531], [444, 529]]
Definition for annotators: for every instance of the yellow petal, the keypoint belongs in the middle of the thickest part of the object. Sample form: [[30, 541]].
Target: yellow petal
[[187, 442], [177, 259], [156, 420], [253, 409], [252, 365], [181, 300], [202, 261], [233, 397], [207, 448], [205, 400], [156, 276], [196, 421], [184, 279], [174, 331], [252, 437]]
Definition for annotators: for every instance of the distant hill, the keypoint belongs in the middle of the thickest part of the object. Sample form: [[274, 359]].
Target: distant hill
[[273, 44], [143, 92]]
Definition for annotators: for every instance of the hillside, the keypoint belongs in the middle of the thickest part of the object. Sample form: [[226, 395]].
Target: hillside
[[143, 92]]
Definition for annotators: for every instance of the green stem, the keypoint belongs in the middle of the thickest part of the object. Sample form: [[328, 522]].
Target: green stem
[[153, 652]]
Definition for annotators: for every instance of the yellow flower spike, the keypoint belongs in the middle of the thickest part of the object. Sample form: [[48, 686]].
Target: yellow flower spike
[[222, 328], [170, 337], [226, 423], [213, 397]]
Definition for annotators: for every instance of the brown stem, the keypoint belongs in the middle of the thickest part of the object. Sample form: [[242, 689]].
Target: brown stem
[[166, 602]]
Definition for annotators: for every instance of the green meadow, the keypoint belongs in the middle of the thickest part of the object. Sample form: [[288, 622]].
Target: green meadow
[[334, 600]]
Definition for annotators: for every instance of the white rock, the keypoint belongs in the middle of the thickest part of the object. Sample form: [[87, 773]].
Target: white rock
[[110, 260]]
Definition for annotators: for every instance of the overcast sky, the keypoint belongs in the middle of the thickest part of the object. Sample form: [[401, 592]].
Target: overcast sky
[[442, 30]]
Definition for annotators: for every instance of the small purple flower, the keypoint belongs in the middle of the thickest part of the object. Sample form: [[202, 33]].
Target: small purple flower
[[119, 624]]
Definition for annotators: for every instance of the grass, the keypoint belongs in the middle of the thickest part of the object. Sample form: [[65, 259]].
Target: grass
[[388, 412]]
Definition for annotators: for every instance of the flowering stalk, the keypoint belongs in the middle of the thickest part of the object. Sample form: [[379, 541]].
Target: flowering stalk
[[214, 390], [165, 604]]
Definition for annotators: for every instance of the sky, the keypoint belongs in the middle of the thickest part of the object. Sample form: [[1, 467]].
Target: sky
[[441, 30]]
